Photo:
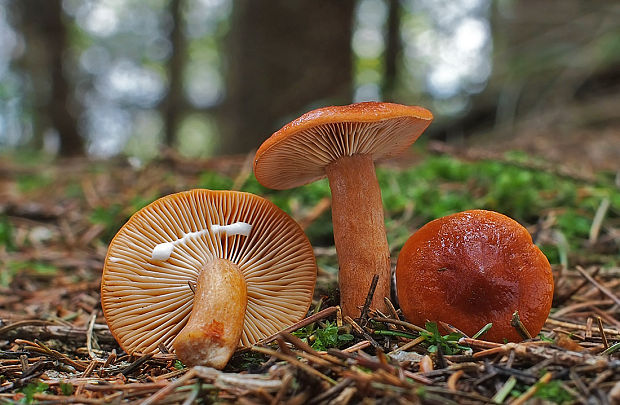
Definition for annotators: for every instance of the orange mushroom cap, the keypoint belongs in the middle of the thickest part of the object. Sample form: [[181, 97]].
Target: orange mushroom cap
[[298, 153], [148, 299], [473, 268]]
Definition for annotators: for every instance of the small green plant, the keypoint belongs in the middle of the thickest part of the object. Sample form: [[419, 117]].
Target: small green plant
[[6, 234], [329, 337], [324, 338], [66, 388], [12, 268], [553, 391], [612, 349], [214, 181], [447, 343], [31, 389], [482, 331], [544, 338], [250, 360], [32, 182], [110, 217]]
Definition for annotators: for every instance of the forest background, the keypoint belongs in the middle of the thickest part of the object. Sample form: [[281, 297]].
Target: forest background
[[205, 77]]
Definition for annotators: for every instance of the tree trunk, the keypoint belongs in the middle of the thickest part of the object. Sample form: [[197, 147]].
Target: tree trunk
[[173, 104], [71, 142], [284, 57], [52, 92], [392, 50]]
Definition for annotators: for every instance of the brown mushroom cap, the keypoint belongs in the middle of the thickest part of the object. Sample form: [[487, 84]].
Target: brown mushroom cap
[[298, 153], [146, 302], [472, 268]]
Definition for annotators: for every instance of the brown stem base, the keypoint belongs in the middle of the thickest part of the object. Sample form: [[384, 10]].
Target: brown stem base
[[214, 328]]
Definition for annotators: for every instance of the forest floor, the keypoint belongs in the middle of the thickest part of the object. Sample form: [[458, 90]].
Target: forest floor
[[56, 219]]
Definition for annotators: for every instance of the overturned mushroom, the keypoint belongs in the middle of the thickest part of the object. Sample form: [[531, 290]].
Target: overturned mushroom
[[342, 143], [472, 268], [205, 271]]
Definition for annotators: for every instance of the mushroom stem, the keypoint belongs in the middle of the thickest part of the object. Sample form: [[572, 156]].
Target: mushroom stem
[[359, 232], [214, 328]]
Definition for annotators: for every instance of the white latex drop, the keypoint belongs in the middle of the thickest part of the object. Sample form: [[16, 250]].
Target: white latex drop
[[238, 228], [163, 251]]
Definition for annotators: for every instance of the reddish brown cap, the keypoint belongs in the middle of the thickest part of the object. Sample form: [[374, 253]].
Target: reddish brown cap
[[146, 301], [298, 153], [473, 268]]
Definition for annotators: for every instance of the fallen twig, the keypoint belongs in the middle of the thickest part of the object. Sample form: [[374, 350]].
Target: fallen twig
[[303, 323], [598, 285]]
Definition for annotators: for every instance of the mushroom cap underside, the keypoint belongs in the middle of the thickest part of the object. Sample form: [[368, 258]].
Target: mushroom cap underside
[[146, 302], [298, 153], [473, 268]]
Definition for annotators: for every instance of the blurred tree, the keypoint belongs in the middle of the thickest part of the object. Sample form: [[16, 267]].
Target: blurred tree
[[543, 63], [174, 104], [283, 58], [392, 50], [51, 92]]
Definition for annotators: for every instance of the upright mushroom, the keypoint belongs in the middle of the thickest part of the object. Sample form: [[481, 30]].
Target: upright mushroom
[[204, 271], [473, 268], [342, 143]]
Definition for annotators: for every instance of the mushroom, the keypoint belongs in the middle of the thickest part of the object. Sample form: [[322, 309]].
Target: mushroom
[[473, 268], [203, 272], [342, 143]]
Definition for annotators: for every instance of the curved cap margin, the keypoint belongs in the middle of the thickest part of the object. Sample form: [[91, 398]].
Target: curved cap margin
[[298, 153]]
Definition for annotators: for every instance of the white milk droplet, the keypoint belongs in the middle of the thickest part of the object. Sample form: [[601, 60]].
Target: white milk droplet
[[164, 250]]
